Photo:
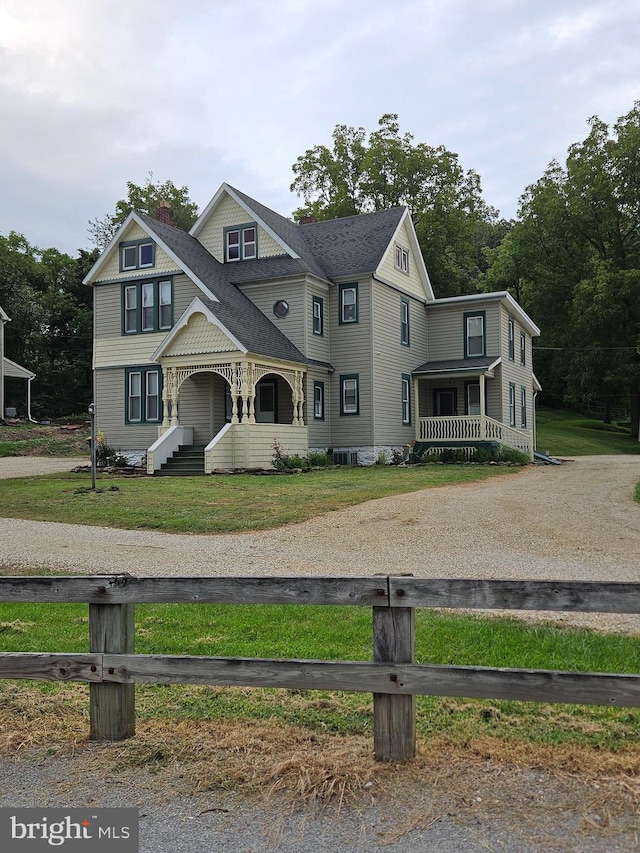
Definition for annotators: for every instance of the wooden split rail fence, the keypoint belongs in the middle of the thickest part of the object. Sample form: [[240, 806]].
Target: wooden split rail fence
[[112, 668]]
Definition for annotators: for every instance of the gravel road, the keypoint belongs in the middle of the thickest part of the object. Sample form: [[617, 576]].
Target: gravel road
[[576, 521]]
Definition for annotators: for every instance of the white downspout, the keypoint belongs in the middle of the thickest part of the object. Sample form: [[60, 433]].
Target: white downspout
[[29, 381]]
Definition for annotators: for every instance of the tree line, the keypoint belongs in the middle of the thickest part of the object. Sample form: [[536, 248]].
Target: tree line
[[571, 257]]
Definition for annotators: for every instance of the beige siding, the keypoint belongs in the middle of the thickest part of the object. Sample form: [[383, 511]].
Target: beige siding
[[196, 406], [317, 347], [319, 430], [111, 268], [265, 296], [111, 347], [351, 353], [492, 391], [446, 329], [124, 350], [227, 214], [391, 360], [110, 404], [411, 282], [514, 372]]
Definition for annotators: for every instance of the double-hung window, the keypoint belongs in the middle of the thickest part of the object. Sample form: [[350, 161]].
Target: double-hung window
[[318, 401], [512, 404], [147, 306], [404, 322], [137, 255], [402, 258], [143, 395], [474, 335], [523, 407], [241, 243], [348, 303], [523, 348], [318, 315], [512, 339], [349, 394], [406, 399]]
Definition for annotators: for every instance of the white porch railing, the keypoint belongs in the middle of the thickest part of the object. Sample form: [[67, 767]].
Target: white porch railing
[[473, 428]]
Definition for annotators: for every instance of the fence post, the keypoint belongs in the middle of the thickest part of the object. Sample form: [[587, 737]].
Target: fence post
[[394, 715], [111, 705]]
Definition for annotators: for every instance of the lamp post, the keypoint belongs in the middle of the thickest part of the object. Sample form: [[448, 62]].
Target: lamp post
[[92, 412]]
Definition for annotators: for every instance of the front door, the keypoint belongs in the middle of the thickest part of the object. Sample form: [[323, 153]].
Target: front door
[[445, 402], [266, 403]]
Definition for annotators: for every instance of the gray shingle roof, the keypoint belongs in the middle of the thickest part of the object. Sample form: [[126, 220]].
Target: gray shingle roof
[[332, 249], [234, 310], [354, 244], [455, 365]]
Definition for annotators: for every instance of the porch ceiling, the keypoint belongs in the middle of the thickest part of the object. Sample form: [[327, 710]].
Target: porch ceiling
[[457, 366]]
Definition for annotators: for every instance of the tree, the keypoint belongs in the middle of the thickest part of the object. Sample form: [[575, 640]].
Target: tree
[[145, 199], [359, 175], [51, 322], [574, 256]]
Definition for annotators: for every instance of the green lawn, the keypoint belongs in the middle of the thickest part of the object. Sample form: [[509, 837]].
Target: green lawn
[[569, 434], [346, 634], [219, 504]]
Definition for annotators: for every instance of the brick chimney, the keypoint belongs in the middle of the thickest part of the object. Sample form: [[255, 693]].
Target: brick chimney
[[307, 220], [165, 214]]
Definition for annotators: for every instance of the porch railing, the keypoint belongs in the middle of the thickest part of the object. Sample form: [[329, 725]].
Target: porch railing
[[465, 428]]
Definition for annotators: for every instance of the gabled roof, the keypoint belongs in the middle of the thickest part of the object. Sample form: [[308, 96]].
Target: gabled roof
[[10, 368], [354, 244], [3, 316], [500, 296]]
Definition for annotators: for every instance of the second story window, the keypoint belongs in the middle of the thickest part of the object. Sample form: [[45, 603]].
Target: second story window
[[474, 335], [137, 255], [318, 315], [348, 303], [523, 348], [241, 243], [404, 323], [512, 339]]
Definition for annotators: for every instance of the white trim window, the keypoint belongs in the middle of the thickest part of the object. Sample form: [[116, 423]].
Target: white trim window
[[137, 255], [134, 397], [131, 309], [406, 399], [318, 401], [318, 315], [523, 407], [402, 259], [349, 403], [348, 303], [165, 306], [148, 307], [241, 244], [512, 404], [152, 397], [512, 339], [523, 349], [404, 322], [474, 335]]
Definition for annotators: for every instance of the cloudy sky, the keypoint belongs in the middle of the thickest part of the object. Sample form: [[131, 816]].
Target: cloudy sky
[[97, 92]]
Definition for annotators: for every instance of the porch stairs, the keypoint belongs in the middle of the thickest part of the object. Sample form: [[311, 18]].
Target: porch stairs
[[187, 461]]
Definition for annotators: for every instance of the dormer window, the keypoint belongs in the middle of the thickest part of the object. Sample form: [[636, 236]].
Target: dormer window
[[241, 243], [137, 255]]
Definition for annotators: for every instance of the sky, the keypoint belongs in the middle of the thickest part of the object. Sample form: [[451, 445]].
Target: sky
[[95, 93]]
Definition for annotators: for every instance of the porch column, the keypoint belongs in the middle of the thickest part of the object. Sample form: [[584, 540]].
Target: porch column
[[165, 398], [174, 393], [234, 394], [297, 398], [251, 393], [483, 423]]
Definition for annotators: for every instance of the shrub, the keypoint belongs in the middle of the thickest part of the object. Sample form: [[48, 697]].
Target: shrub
[[381, 459], [320, 460], [283, 462]]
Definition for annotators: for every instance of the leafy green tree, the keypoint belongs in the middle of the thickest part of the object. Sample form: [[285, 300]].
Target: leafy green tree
[[145, 199], [573, 258], [359, 175]]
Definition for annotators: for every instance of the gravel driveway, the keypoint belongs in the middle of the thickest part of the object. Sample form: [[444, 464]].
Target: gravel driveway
[[574, 521]]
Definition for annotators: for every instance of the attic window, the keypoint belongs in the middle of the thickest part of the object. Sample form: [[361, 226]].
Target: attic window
[[402, 259], [241, 243], [136, 255]]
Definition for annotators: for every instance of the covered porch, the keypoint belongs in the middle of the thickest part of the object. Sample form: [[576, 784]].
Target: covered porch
[[233, 410], [459, 404]]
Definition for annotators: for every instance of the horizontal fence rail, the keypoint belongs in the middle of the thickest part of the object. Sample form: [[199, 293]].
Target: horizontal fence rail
[[112, 668]]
